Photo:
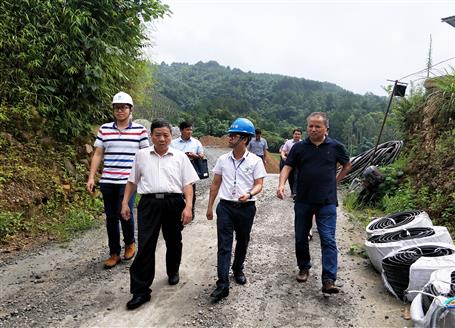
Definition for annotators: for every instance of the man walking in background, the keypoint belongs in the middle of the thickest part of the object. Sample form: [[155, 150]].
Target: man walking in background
[[238, 178], [258, 146], [116, 144], [163, 176], [190, 146], [281, 157], [316, 159], [296, 137]]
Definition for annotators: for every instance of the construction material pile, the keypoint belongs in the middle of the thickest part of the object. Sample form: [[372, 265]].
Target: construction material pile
[[407, 249]]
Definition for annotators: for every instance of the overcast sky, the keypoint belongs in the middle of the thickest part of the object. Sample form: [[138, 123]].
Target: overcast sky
[[357, 45]]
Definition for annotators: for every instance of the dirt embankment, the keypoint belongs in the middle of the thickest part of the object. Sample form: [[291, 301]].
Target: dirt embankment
[[66, 286], [272, 164]]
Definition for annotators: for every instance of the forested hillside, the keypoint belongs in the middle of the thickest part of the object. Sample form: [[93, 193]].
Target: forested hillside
[[212, 95]]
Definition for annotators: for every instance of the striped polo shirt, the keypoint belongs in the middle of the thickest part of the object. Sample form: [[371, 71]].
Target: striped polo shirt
[[120, 147]]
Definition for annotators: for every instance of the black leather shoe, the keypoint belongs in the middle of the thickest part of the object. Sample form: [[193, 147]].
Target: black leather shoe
[[137, 301], [302, 276], [240, 278], [219, 293], [174, 279]]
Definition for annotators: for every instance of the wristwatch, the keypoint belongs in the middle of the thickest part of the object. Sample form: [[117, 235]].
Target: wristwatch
[[251, 195]]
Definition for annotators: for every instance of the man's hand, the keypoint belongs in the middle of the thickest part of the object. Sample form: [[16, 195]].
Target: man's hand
[[244, 197], [187, 215], [209, 213], [280, 192], [90, 185], [192, 155], [125, 212]]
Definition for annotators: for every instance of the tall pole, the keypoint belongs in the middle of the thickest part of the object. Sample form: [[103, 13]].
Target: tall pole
[[383, 122]]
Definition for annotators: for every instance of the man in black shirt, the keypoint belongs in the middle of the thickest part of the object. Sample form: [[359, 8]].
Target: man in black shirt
[[316, 159]]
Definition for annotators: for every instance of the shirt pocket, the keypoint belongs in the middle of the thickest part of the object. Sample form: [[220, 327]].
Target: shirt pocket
[[247, 169]]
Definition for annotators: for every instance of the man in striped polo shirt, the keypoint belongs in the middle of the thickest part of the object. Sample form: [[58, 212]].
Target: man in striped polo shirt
[[116, 145]]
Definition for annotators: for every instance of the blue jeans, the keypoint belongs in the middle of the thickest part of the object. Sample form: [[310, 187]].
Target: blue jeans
[[230, 219], [112, 197], [326, 222]]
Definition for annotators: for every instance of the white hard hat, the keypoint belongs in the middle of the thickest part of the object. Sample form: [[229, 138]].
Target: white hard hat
[[123, 98]]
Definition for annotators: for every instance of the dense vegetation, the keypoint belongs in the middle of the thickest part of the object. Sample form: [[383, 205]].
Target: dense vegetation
[[64, 59], [424, 175], [212, 95], [61, 62]]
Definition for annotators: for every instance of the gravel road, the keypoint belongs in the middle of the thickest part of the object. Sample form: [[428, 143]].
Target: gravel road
[[65, 285]]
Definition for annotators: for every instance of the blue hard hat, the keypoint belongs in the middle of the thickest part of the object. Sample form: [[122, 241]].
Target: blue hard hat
[[242, 125]]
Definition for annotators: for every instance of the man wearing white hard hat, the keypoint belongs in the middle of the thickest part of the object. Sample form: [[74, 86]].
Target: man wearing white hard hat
[[116, 145]]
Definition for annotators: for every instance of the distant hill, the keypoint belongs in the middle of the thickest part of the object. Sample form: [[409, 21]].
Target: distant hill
[[212, 95]]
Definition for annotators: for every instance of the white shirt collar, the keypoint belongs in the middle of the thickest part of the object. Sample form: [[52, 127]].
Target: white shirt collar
[[170, 151], [231, 155]]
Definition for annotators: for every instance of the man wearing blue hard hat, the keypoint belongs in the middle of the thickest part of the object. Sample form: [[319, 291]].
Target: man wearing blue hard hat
[[238, 178]]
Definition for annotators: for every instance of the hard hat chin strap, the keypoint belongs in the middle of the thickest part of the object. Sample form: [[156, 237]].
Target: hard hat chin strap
[[242, 137]]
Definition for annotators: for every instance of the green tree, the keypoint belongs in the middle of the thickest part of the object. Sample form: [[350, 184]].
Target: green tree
[[68, 57]]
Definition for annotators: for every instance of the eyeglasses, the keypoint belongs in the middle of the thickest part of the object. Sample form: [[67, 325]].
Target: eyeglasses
[[119, 108], [233, 135]]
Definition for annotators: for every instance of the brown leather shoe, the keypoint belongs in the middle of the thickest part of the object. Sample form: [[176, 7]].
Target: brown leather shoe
[[302, 276], [328, 287], [112, 261], [130, 250]]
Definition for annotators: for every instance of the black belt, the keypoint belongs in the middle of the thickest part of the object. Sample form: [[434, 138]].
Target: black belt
[[163, 195], [236, 204]]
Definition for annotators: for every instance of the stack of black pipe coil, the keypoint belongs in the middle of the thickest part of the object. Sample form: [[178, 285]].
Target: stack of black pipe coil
[[405, 234], [386, 153], [394, 220], [430, 289], [396, 267]]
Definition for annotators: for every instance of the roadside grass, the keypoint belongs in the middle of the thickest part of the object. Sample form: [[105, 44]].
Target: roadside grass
[[77, 220], [11, 223], [359, 212]]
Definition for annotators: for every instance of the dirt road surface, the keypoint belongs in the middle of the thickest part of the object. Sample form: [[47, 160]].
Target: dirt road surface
[[66, 285]]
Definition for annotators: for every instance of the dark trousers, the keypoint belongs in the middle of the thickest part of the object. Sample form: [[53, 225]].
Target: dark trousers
[[230, 219], [153, 214], [112, 197]]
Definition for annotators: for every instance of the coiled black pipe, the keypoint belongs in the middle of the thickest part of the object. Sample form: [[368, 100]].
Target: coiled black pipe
[[395, 220], [431, 289], [396, 267], [405, 234], [386, 153]]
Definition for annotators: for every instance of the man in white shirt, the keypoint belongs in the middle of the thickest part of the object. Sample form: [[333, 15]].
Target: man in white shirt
[[296, 137], [190, 146], [163, 176], [238, 177]]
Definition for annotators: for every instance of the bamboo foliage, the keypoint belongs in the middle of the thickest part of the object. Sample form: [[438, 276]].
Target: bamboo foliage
[[68, 57]]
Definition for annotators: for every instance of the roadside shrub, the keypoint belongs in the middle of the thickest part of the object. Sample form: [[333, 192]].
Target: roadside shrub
[[10, 224], [66, 58]]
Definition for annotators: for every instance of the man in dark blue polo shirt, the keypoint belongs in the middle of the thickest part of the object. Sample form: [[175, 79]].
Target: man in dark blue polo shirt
[[316, 159]]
